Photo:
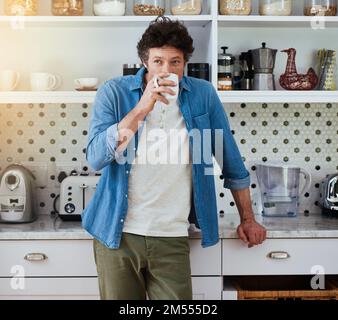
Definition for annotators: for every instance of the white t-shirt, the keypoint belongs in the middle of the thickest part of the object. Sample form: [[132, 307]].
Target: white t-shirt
[[160, 180]]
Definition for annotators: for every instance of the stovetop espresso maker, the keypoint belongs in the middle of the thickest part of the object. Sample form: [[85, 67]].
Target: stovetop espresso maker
[[264, 62]]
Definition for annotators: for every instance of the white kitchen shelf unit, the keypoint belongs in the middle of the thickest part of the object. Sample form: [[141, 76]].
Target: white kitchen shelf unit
[[223, 21], [256, 21], [94, 21], [226, 97], [211, 31], [278, 96], [47, 97]]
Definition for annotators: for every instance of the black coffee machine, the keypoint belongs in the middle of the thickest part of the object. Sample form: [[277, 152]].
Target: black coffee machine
[[199, 70]]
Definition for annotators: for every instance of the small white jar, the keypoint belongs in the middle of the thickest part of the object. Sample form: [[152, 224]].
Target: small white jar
[[275, 7], [109, 7]]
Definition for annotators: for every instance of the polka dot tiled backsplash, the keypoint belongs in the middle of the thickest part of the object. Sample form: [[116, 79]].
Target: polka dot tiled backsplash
[[54, 136]]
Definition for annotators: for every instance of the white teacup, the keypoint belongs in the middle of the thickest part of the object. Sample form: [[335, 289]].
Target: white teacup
[[171, 77], [43, 81], [9, 79], [86, 83]]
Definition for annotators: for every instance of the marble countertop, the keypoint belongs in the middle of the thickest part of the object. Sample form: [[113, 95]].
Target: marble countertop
[[49, 228]]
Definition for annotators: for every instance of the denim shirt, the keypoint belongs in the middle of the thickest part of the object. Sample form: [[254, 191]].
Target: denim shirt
[[202, 110]]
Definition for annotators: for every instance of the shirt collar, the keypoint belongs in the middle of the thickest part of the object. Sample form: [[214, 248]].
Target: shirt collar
[[137, 82]]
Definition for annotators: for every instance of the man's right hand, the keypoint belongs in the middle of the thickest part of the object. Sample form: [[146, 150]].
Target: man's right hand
[[128, 126], [152, 94]]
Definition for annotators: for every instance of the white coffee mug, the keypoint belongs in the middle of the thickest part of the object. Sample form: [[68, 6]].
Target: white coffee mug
[[171, 77], [43, 81], [9, 79], [86, 83]]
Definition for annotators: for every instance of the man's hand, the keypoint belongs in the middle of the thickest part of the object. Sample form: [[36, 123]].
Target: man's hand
[[251, 232]]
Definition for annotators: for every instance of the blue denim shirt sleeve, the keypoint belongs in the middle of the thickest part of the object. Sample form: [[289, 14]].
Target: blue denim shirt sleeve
[[112, 138], [103, 133], [236, 176]]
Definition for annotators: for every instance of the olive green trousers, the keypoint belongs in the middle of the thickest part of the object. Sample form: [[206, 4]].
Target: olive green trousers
[[157, 268]]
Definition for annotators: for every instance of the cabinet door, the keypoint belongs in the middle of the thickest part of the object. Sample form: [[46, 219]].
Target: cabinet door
[[207, 288], [205, 261], [49, 288], [204, 288], [280, 256]]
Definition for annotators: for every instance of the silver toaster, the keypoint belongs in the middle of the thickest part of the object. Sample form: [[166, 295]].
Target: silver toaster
[[75, 194], [17, 201], [329, 195]]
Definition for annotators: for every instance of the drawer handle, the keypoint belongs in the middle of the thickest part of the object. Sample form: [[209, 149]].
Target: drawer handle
[[35, 257], [279, 255]]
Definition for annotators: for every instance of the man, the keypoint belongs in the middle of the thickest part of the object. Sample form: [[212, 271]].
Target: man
[[139, 213]]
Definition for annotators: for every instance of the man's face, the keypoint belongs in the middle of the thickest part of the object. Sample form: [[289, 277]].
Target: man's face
[[165, 59]]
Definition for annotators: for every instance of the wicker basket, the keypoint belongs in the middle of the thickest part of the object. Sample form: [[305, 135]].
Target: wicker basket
[[283, 287]]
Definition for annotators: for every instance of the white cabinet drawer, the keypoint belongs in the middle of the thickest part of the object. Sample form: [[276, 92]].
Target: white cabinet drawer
[[62, 258], [49, 288], [75, 258], [280, 256], [205, 261]]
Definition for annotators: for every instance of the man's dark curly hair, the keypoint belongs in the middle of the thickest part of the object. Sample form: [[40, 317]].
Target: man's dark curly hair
[[165, 32]]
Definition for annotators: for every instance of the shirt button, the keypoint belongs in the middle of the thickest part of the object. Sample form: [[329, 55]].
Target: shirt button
[[127, 172], [121, 220], [126, 195]]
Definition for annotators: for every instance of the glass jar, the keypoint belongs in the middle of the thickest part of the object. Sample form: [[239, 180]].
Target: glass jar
[[235, 7], [109, 7], [149, 7], [275, 7], [21, 7], [67, 7], [186, 7], [320, 8]]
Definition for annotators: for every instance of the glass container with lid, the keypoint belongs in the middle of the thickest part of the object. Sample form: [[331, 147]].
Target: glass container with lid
[[109, 7], [149, 7], [186, 7], [21, 7], [320, 8], [235, 7], [275, 7], [225, 70], [225, 61], [67, 7]]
